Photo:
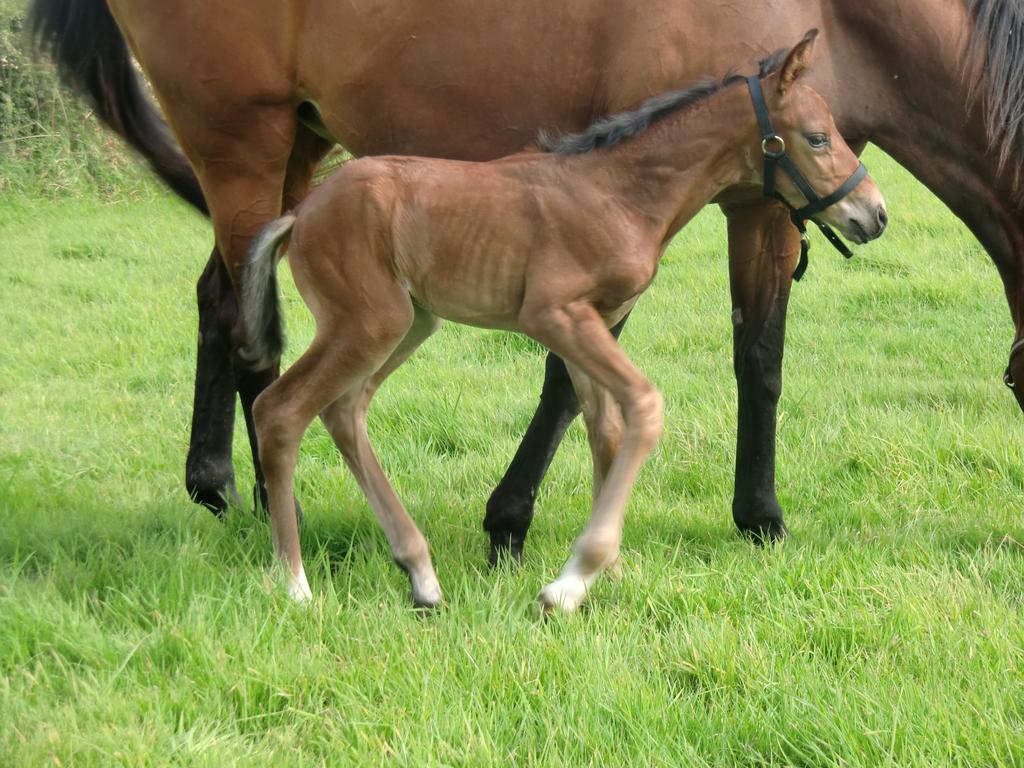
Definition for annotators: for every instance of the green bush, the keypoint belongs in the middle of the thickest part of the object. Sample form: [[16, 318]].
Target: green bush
[[50, 142]]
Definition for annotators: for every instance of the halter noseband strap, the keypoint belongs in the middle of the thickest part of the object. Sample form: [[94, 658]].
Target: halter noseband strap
[[774, 149]]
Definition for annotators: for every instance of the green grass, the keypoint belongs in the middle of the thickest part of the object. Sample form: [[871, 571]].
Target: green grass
[[137, 630]]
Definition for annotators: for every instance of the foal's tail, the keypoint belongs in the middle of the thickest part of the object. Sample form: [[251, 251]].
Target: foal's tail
[[92, 57], [261, 305]]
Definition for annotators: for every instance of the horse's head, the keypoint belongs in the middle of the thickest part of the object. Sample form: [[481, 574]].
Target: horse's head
[[801, 136]]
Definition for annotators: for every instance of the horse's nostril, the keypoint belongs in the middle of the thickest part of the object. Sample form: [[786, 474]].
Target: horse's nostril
[[883, 218]]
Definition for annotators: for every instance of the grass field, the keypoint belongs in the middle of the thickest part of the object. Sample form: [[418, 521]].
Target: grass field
[[136, 630]]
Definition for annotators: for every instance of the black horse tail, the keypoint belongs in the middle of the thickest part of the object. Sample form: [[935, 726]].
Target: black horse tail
[[261, 304], [92, 57]]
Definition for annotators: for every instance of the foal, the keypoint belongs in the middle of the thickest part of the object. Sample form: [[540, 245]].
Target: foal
[[558, 246]]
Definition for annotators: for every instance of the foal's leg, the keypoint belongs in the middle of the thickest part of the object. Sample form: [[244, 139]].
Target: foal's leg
[[342, 357], [281, 416], [346, 421], [362, 315], [578, 334], [605, 427], [510, 507]]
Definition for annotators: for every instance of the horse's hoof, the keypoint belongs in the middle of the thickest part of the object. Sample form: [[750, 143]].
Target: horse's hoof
[[506, 549], [766, 533], [506, 521], [217, 496]]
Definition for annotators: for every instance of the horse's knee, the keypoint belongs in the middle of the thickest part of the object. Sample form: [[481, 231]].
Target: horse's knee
[[759, 343]]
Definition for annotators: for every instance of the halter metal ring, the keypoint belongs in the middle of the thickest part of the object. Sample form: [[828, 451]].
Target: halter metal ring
[[773, 152]]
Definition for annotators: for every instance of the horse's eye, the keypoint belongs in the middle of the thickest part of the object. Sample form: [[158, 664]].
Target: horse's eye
[[818, 140]]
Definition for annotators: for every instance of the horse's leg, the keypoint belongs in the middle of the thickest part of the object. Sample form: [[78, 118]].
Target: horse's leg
[[763, 250], [578, 334], [510, 507], [306, 154], [209, 475], [242, 199], [345, 419]]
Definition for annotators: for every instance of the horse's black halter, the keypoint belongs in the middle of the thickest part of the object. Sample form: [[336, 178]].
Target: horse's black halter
[[1014, 351], [774, 149]]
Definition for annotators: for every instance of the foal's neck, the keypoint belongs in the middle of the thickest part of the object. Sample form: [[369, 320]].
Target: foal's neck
[[682, 162]]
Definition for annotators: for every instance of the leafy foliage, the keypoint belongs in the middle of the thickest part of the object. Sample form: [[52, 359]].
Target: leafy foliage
[[50, 143]]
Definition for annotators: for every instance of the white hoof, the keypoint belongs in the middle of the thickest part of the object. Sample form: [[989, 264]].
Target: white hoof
[[298, 589], [426, 594], [565, 594]]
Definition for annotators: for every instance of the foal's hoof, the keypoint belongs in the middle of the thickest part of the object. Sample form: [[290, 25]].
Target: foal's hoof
[[426, 601], [767, 533], [565, 594], [298, 590], [426, 591]]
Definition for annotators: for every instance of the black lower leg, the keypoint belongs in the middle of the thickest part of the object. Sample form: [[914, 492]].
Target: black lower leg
[[510, 507], [758, 365], [250, 384], [209, 475]]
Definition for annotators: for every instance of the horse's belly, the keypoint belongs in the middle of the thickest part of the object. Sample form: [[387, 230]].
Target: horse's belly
[[468, 80]]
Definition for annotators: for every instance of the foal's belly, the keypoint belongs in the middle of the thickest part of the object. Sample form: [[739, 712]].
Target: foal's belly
[[474, 287], [463, 239]]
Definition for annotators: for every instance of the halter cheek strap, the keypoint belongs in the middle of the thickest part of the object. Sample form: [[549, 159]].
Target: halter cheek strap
[[1014, 351], [774, 149]]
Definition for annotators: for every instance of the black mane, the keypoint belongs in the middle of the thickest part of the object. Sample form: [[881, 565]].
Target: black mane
[[614, 129], [997, 47]]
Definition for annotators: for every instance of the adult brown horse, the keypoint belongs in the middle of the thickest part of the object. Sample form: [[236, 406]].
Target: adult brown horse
[[255, 93], [556, 245]]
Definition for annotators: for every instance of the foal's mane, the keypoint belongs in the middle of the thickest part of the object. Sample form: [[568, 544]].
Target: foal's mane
[[997, 46], [614, 129]]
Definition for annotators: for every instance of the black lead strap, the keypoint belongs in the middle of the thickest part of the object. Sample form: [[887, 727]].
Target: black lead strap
[[774, 149]]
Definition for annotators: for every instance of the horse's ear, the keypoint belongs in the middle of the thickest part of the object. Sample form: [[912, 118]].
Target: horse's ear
[[797, 61]]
